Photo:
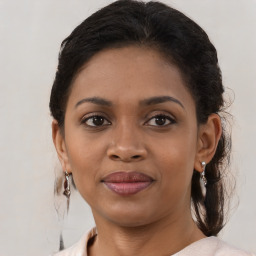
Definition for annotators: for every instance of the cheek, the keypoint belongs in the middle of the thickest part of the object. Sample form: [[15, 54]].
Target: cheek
[[177, 150], [176, 161], [176, 170], [175, 182], [85, 160]]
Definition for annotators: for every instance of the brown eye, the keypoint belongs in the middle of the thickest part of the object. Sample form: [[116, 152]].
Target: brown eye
[[96, 121], [160, 120]]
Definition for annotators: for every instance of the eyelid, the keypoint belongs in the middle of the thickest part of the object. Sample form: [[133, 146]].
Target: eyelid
[[94, 114], [168, 116], [160, 113], [90, 114], [148, 117]]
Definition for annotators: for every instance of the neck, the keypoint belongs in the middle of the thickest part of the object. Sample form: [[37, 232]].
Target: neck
[[164, 237]]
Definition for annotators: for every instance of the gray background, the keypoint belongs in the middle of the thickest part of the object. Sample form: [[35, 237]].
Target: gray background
[[30, 35]]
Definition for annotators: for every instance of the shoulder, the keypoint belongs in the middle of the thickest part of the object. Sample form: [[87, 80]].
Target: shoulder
[[80, 248], [211, 246], [224, 249]]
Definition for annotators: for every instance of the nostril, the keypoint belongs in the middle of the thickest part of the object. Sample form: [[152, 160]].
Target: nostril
[[116, 157]]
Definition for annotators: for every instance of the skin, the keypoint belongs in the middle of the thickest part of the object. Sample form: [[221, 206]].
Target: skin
[[156, 220]]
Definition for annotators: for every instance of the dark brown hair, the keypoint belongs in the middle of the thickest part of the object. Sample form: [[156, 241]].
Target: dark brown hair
[[153, 24]]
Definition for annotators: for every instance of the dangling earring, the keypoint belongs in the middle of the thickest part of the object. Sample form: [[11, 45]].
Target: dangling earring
[[67, 191], [203, 178]]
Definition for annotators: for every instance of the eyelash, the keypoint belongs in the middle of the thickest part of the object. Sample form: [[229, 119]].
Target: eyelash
[[166, 117], [84, 120]]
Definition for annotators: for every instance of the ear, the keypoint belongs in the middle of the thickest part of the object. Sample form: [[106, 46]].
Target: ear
[[60, 146], [208, 137]]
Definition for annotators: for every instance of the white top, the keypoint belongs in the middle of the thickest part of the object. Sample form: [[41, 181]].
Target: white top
[[209, 246]]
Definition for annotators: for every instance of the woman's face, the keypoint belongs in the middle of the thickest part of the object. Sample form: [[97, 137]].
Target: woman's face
[[131, 137]]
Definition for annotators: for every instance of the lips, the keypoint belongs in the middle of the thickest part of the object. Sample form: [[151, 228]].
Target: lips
[[127, 183]]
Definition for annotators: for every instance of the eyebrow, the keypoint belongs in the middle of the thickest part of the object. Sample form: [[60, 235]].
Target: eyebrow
[[95, 100], [150, 101], [160, 99]]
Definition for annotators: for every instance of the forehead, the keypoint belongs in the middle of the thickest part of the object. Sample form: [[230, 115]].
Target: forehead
[[129, 74]]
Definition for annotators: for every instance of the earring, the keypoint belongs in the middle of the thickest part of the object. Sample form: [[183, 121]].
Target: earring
[[203, 178], [67, 191]]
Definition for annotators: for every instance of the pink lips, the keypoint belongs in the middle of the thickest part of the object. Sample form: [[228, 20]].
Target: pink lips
[[127, 183]]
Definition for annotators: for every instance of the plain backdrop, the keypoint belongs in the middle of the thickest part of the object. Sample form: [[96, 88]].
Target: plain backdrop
[[30, 35]]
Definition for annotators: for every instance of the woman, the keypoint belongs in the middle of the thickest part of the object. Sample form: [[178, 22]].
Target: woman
[[137, 103]]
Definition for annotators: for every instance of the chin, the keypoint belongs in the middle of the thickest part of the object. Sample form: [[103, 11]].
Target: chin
[[131, 221], [131, 216]]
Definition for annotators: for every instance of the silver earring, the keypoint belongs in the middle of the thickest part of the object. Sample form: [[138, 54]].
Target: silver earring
[[67, 191], [203, 178]]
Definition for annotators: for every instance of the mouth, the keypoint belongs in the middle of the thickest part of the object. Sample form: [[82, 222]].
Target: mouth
[[127, 183]]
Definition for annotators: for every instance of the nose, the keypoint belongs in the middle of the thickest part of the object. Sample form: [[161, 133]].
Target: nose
[[126, 145]]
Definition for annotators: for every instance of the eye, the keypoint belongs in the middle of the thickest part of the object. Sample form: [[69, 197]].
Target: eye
[[160, 120], [95, 121]]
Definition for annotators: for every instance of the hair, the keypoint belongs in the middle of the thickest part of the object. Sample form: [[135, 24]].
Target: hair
[[183, 43]]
